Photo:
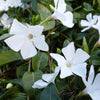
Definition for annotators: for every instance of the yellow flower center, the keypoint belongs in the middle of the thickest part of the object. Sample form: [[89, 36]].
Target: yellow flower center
[[68, 64], [30, 36]]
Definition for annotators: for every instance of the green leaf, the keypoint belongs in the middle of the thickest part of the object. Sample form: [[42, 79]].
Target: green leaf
[[28, 79], [40, 61], [87, 7], [13, 94], [49, 24], [34, 5], [69, 8], [8, 57], [2, 37], [49, 93], [85, 45], [21, 70]]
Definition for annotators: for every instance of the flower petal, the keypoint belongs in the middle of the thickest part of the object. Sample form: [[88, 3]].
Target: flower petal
[[18, 28], [65, 18], [69, 51], [79, 69], [35, 30], [61, 6], [80, 56], [84, 23], [56, 2], [97, 26], [48, 77], [15, 42], [40, 43], [96, 83], [65, 72], [86, 29], [91, 75], [28, 50], [40, 84], [60, 59], [51, 77], [89, 17]]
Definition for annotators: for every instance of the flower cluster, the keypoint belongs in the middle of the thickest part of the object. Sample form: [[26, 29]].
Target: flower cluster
[[27, 38], [5, 4], [6, 21]]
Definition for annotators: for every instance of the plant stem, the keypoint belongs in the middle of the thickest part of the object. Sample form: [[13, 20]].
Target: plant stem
[[48, 18], [29, 66]]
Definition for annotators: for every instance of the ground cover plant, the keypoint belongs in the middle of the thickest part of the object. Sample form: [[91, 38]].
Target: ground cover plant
[[49, 50]]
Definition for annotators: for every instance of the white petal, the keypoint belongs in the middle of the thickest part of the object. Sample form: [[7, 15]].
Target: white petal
[[35, 30], [65, 18], [57, 69], [91, 75], [28, 50], [79, 69], [61, 6], [84, 23], [51, 77], [40, 43], [40, 84], [95, 18], [48, 77], [85, 29], [80, 56], [56, 2], [65, 72], [60, 59], [89, 17], [69, 51], [97, 26], [4, 16], [95, 95], [68, 19], [18, 28], [96, 83], [15, 42]]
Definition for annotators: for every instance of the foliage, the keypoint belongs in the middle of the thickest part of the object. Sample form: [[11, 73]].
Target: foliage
[[23, 73]]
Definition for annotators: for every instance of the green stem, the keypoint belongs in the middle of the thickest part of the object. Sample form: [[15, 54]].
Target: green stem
[[48, 18], [92, 52], [29, 66]]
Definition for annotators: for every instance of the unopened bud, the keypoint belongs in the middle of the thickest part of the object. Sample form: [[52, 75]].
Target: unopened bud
[[9, 85], [52, 7]]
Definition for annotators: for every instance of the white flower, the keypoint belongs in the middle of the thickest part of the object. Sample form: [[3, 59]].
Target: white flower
[[3, 5], [73, 62], [60, 13], [6, 21], [47, 79], [92, 85], [26, 38], [14, 3], [89, 22], [97, 26]]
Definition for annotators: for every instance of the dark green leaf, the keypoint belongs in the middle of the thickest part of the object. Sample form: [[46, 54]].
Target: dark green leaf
[[8, 57], [39, 61], [49, 93]]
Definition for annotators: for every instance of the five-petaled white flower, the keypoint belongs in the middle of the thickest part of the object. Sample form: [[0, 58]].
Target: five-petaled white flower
[[26, 38], [6, 21], [60, 13], [92, 85], [14, 3], [89, 22], [3, 5], [97, 26], [73, 63], [47, 79]]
